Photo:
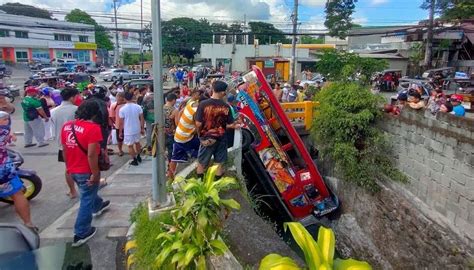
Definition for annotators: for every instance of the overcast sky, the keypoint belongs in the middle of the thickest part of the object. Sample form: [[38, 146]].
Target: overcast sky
[[368, 12]]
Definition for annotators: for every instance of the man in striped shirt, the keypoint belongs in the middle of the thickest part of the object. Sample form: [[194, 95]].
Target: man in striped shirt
[[186, 142]]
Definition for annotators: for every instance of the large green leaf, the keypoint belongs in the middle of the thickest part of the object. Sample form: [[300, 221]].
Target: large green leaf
[[190, 253], [327, 244], [201, 263], [223, 183], [231, 203], [219, 246], [351, 264], [187, 205], [277, 262], [214, 195], [177, 257], [162, 256], [305, 241], [210, 176], [202, 219]]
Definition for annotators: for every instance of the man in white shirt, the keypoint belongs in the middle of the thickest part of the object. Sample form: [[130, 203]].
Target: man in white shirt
[[60, 115], [133, 126]]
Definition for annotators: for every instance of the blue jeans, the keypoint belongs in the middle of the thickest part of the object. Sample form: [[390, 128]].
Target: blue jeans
[[90, 203]]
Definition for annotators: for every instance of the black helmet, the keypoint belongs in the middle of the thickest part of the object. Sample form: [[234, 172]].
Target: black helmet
[[100, 91]]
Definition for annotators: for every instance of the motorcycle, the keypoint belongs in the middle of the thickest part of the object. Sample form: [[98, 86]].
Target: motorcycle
[[32, 183], [7, 93]]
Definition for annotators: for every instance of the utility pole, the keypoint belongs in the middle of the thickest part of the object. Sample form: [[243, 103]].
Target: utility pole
[[293, 44], [429, 38], [160, 197], [116, 53], [141, 35]]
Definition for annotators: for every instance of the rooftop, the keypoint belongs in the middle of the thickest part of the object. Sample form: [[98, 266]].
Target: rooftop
[[24, 21]]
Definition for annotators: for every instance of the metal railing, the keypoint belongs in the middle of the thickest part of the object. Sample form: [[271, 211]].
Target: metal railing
[[301, 111]]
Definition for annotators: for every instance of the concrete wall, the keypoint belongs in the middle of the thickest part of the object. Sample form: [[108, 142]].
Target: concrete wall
[[437, 154], [239, 61], [427, 223]]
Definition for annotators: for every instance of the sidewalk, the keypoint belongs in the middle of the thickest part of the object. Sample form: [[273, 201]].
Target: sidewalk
[[126, 187]]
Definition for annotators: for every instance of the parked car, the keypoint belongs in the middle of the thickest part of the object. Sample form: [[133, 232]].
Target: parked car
[[116, 73], [51, 71], [317, 79], [407, 84], [92, 69]]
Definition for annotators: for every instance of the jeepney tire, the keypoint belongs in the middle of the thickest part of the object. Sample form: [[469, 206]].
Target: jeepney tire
[[247, 139]]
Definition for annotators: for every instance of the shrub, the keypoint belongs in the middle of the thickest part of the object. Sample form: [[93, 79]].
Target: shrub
[[319, 255], [345, 132], [183, 237]]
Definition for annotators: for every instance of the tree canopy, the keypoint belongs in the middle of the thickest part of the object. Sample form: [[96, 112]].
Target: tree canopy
[[101, 38], [342, 66], [312, 40], [266, 33], [25, 10], [452, 9], [339, 17]]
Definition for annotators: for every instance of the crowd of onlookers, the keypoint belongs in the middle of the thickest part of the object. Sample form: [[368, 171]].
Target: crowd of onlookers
[[437, 102], [197, 124]]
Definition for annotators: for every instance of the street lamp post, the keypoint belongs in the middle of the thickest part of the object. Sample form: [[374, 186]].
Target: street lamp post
[[160, 198]]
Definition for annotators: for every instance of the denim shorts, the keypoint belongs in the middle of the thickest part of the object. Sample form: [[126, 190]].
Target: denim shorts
[[182, 151], [218, 150], [11, 187]]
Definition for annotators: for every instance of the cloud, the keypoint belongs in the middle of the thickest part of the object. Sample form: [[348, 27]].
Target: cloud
[[379, 2], [253, 10], [63, 4], [314, 3]]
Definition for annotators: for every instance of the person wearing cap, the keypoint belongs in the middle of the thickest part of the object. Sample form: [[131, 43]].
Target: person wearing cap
[[32, 113], [5, 105], [213, 117], [285, 92], [458, 108]]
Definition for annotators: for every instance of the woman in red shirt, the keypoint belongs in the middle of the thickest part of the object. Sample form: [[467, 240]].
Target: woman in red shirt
[[81, 147]]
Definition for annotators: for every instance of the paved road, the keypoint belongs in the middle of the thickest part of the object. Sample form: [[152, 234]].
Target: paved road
[[52, 202]]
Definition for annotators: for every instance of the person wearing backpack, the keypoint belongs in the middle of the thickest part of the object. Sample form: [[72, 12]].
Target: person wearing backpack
[[32, 113]]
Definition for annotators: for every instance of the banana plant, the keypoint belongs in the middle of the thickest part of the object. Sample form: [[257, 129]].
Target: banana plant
[[196, 224], [319, 255]]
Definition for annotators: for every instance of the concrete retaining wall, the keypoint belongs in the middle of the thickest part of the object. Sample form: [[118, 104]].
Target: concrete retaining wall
[[437, 154]]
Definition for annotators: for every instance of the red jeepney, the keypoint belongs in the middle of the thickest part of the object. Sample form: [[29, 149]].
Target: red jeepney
[[274, 147]]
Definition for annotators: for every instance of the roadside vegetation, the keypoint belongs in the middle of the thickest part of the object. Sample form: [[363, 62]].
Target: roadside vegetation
[[184, 237], [345, 125]]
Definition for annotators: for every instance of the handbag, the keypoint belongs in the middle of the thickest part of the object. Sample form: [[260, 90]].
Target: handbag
[[104, 162]]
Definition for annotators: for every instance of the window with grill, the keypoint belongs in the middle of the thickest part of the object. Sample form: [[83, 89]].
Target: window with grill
[[62, 37], [4, 33], [21, 34], [83, 39]]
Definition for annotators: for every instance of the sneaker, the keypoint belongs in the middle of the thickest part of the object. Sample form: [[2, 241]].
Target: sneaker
[[139, 159], [43, 144], [134, 162], [105, 206], [79, 241], [30, 145]]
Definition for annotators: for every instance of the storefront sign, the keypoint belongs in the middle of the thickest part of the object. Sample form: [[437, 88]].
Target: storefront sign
[[269, 64], [60, 45], [85, 46]]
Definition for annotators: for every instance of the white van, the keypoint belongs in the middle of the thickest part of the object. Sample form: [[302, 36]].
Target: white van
[[63, 61]]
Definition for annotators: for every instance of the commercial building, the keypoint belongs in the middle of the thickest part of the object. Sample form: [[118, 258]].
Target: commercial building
[[23, 39], [272, 59]]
